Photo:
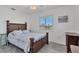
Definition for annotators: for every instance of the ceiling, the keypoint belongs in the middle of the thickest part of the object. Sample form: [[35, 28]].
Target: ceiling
[[26, 8]]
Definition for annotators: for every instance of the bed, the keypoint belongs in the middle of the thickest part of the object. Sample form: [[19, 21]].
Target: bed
[[34, 46]]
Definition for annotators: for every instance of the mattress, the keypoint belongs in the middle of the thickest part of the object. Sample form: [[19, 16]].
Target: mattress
[[26, 36]]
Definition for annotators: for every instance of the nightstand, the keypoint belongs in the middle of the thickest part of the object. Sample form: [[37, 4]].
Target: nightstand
[[3, 39]]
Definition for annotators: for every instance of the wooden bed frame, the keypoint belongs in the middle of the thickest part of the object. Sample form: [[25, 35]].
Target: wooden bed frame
[[34, 46]]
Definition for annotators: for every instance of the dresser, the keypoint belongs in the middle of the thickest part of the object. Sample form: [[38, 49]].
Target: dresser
[[3, 39], [71, 39]]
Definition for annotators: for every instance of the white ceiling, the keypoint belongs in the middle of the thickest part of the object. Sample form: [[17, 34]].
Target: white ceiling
[[26, 8]]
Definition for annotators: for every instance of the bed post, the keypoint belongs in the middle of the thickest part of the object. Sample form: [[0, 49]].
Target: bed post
[[47, 35], [31, 45], [7, 24], [25, 25]]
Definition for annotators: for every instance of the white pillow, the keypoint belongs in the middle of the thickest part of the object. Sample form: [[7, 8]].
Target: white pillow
[[25, 31], [17, 32]]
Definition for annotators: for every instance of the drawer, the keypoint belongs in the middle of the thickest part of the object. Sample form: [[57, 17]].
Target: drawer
[[73, 40]]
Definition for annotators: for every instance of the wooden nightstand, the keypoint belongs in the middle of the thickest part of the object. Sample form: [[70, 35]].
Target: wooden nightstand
[[3, 39]]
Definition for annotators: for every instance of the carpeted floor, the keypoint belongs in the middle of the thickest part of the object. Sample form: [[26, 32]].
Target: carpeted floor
[[51, 48]]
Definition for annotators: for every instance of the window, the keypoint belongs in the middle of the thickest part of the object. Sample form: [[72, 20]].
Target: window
[[46, 21]]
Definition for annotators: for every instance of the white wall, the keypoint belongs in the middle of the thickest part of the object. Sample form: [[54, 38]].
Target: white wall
[[8, 14], [77, 19], [59, 29]]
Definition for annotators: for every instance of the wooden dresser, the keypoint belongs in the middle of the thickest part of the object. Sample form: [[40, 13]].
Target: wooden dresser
[[71, 39]]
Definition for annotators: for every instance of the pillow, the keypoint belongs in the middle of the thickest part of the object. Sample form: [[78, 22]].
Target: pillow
[[25, 31], [17, 32]]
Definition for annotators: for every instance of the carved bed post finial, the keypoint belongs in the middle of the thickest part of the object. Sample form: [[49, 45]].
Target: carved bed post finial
[[25, 25], [7, 22]]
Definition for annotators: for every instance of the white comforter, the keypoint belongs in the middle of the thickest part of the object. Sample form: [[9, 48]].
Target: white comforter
[[22, 40]]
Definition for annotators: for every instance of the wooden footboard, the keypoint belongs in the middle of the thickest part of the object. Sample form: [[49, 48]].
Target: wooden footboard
[[36, 46]]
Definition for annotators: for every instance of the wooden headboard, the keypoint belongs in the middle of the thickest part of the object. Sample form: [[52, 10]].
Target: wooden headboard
[[15, 26]]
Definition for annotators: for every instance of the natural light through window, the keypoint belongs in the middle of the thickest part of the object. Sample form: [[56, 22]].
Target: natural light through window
[[46, 21]]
